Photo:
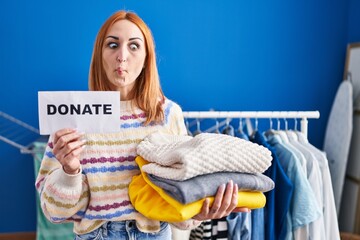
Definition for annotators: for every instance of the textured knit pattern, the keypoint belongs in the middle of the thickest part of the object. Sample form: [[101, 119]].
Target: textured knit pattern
[[100, 192], [183, 157]]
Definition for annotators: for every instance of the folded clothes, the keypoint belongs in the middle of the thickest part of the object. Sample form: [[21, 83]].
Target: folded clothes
[[206, 185], [154, 203], [183, 157]]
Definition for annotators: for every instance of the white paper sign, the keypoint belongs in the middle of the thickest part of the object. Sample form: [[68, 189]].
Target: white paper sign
[[88, 111]]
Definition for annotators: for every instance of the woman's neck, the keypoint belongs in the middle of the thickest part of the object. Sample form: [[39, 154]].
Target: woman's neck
[[125, 95]]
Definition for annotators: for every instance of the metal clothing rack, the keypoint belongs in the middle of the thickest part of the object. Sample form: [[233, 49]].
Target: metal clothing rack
[[17, 133], [228, 115]]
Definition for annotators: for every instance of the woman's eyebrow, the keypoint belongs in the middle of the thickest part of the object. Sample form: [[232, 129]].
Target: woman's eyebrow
[[116, 38], [130, 39]]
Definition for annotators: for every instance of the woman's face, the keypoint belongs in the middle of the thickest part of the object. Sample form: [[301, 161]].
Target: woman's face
[[124, 55]]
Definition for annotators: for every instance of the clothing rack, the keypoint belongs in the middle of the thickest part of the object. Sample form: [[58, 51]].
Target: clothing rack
[[228, 115], [17, 133]]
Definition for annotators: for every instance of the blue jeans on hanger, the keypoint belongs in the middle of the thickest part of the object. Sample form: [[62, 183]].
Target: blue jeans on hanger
[[125, 230]]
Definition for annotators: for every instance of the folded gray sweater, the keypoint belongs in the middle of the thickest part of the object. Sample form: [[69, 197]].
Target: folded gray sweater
[[206, 185]]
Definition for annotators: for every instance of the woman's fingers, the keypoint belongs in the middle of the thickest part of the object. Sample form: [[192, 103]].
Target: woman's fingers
[[205, 207], [229, 200], [71, 162], [218, 200], [67, 148], [60, 136], [225, 202], [64, 141], [72, 149]]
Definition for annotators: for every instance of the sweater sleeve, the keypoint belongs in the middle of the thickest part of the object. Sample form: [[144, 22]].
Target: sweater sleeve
[[176, 120], [63, 197], [186, 225]]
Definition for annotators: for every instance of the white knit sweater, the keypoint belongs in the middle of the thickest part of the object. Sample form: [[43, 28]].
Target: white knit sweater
[[183, 157]]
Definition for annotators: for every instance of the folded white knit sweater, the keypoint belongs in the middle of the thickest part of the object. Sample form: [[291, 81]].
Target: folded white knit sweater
[[183, 157]]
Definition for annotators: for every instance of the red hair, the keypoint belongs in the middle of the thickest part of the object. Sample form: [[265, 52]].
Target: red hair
[[147, 92]]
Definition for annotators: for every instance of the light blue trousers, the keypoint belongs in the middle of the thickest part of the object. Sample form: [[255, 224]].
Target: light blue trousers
[[125, 230]]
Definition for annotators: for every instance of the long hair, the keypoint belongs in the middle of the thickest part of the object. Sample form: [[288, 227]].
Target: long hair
[[147, 93]]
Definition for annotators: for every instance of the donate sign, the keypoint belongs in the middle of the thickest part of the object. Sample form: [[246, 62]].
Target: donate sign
[[88, 111]]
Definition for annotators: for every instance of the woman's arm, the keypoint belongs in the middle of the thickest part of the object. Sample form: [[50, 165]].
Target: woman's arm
[[63, 189]]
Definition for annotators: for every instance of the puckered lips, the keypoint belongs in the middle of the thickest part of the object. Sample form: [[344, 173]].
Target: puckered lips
[[120, 71]]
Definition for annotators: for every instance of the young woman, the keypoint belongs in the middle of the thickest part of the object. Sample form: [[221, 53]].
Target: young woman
[[84, 178]]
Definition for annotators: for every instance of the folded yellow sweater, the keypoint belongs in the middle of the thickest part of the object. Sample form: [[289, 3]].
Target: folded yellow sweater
[[155, 203]]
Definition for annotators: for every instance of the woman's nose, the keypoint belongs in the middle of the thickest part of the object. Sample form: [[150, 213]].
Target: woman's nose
[[122, 55], [120, 60]]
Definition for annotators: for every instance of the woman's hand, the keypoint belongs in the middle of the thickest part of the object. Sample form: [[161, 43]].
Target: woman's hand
[[225, 202], [67, 148]]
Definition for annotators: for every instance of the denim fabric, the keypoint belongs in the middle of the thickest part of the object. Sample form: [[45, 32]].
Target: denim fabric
[[206, 185], [239, 226], [277, 200], [257, 221], [125, 230]]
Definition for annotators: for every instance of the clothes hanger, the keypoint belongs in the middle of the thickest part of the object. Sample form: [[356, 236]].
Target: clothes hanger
[[271, 131], [216, 126], [198, 130], [291, 134], [240, 128], [187, 127], [228, 129], [282, 133], [252, 135], [239, 132]]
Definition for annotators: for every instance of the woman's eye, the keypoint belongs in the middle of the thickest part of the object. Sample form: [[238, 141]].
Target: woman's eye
[[134, 46], [112, 45]]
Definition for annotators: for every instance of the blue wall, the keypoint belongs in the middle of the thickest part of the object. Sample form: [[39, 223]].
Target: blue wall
[[226, 55], [354, 21]]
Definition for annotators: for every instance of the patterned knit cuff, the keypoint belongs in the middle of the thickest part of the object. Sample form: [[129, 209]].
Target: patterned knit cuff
[[66, 180]]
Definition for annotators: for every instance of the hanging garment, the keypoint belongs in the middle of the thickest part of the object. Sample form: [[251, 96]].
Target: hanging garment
[[202, 232], [228, 130], [316, 229], [257, 224], [219, 229], [303, 196], [329, 209], [245, 221], [277, 200], [338, 136], [240, 132]]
